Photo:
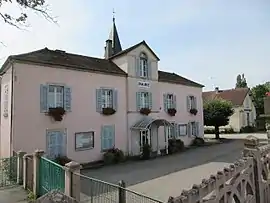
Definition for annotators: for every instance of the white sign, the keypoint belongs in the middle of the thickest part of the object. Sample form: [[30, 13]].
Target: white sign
[[144, 84]]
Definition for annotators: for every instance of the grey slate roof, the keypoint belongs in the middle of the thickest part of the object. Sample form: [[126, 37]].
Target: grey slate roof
[[86, 63], [116, 45]]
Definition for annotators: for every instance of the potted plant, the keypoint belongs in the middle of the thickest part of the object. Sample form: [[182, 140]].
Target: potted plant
[[108, 111], [57, 113], [193, 111], [171, 111], [145, 111]]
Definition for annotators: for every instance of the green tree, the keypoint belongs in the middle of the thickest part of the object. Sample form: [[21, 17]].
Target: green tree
[[258, 94], [241, 81], [38, 6], [216, 113]]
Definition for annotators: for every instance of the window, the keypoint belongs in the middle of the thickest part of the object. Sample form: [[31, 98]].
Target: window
[[170, 101], [248, 119], [107, 98], [55, 96], [84, 141], [6, 100], [182, 129], [52, 96], [145, 138], [107, 137], [193, 128], [169, 131], [143, 65], [144, 100], [56, 143], [191, 102]]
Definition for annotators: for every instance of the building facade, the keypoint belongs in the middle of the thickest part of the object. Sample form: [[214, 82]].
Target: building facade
[[122, 100]]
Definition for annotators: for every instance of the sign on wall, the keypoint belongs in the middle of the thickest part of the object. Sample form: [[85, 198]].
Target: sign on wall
[[144, 84]]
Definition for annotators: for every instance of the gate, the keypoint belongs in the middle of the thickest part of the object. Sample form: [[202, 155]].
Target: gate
[[8, 171], [51, 176]]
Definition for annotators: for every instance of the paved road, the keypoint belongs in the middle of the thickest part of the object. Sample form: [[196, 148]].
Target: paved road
[[152, 176]]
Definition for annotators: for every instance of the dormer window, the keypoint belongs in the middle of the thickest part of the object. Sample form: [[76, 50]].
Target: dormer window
[[143, 65]]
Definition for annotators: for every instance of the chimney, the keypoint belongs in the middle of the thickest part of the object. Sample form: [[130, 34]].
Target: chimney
[[217, 90], [108, 49]]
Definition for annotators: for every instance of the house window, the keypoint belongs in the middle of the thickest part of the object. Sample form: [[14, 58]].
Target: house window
[[170, 101], [55, 96], [143, 65], [145, 138], [182, 129], [84, 141], [144, 100], [107, 137], [193, 128], [107, 98], [192, 102], [248, 119], [6, 100], [56, 143], [169, 131]]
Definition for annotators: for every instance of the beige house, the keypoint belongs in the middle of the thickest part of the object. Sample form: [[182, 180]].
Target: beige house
[[244, 109], [121, 100]]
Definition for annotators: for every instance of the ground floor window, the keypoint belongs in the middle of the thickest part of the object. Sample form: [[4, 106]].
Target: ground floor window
[[169, 131], [56, 143], [145, 137], [193, 128], [84, 141], [182, 129]]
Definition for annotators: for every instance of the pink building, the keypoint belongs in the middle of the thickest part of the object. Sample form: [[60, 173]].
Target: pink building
[[103, 101]]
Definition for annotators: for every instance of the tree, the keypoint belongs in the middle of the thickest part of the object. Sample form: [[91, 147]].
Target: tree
[[216, 113], [258, 94], [38, 6], [241, 81]]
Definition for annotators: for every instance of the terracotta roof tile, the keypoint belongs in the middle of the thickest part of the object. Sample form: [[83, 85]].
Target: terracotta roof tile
[[236, 96]]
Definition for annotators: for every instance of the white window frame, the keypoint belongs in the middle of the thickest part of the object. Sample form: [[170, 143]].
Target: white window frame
[[107, 98], [90, 134], [180, 131], [55, 98], [143, 65], [192, 102], [144, 99], [193, 128], [169, 101], [145, 133]]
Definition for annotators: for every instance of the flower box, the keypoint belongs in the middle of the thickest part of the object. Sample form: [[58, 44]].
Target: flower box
[[145, 111], [171, 111], [108, 111], [193, 111], [57, 113]]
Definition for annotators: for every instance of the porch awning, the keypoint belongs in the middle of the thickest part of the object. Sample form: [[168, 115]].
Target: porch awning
[[144, 123]]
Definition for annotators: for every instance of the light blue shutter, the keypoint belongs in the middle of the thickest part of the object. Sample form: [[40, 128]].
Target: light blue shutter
[[67, 98], [197, 129], [98, 99], [176, 132], [149, 69], [103, 138], [115, 100], [43, 98], [188, 104], [51, 150], [111, 136], [174, 101], [195, 102], [137, 66], [150, 100], [138, 101], [165, 103]]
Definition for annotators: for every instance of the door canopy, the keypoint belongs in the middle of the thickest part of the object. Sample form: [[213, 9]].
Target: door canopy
[[146, 122]]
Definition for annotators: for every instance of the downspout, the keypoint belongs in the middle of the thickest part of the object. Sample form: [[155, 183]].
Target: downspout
[[11, 111], [127, 106]]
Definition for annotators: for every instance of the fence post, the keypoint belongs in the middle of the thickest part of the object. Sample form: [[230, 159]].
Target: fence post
[[122, 191], [73, 180], [25, 168], [36, 162], [20, 167], [252, 150]]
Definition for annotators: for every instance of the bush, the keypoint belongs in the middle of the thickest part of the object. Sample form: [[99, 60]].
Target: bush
[[198, 141], [146, 151], [209, 131], [228, 131], [175, 145], [113, 155], [248, 129], [62, 160]]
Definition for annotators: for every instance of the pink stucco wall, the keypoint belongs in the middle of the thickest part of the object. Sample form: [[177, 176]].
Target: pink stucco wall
[[5, 134], [30, 125]]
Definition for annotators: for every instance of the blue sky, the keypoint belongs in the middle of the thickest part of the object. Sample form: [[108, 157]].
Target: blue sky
[[209, 41]]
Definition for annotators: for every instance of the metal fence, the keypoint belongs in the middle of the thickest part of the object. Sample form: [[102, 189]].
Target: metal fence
[[8, 171], [97, 191]]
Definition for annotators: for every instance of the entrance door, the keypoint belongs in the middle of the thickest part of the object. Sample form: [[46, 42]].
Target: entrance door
[[145, 138], [55, 144]]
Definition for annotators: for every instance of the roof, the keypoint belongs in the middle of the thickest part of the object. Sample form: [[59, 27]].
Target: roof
[[174, 78], [86, 63], [116, 45], [236, 96], [74, 61], [134, 47]]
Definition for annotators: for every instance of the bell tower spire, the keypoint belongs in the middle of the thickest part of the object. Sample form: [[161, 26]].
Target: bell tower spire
[[115, 45]]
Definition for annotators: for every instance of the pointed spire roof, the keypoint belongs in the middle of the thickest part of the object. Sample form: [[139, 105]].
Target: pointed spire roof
[[116, 45]]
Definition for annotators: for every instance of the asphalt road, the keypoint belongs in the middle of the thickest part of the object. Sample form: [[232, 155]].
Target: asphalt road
[[152, 176]]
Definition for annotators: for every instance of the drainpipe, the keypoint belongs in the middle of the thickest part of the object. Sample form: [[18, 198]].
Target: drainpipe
[[11, 111], [127, 126]]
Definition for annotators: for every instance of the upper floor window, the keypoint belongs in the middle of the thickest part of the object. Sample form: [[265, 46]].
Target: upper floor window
[[55, 96], [143, 65], [144, 100], [191, 102], [170, 101], [107, 99]]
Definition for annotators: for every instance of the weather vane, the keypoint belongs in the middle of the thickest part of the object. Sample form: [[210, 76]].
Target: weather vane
[[113, 14]]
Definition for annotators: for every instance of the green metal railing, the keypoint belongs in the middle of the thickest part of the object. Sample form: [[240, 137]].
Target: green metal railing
[[51, 176], [8, 171]]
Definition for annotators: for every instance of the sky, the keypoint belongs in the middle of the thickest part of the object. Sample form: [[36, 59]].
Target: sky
[[207, 41]]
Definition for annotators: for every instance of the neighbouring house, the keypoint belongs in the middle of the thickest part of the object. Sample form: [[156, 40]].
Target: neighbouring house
[[79, 106], [244, 109]]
